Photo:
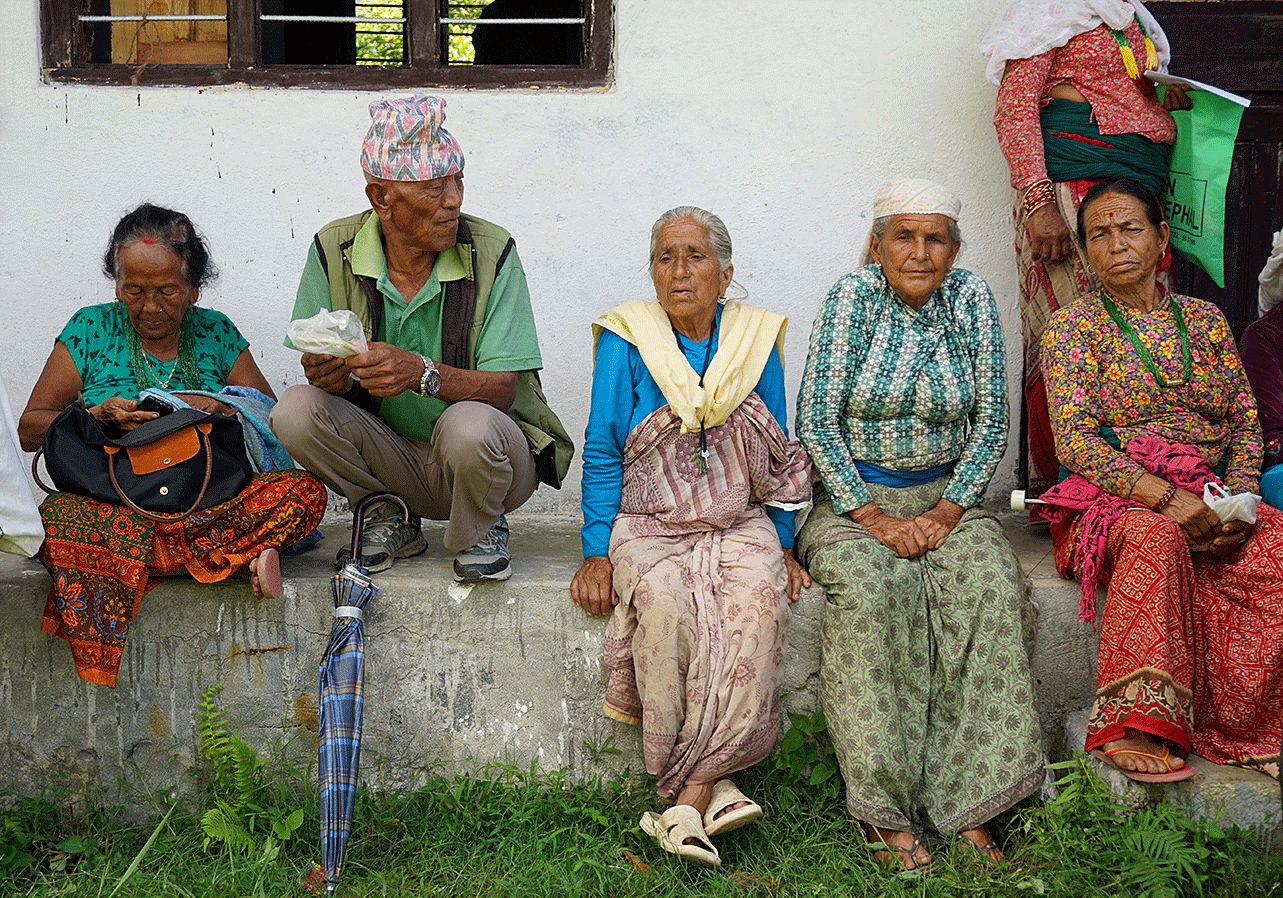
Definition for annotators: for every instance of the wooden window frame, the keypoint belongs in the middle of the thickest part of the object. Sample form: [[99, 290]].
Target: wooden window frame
[[60, 38]]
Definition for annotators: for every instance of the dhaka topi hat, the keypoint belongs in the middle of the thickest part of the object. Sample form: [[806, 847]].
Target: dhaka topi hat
[[911, 196], [916, 196], [406, 141]]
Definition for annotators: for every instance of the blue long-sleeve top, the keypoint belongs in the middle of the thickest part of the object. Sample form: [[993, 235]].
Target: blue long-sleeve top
[[623, 394]]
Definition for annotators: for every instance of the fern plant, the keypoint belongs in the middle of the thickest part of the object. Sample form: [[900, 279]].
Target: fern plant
[[243, 816]]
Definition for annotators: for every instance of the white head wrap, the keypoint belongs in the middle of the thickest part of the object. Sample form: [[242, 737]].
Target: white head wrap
[[911, 196], [1271, 277], [1029, 28]]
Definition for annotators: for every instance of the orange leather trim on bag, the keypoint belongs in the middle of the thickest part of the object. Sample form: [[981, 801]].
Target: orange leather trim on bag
[[205, 429], [166, 452]]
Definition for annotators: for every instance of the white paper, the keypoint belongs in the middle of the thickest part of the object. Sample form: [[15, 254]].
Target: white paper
[[1166, 78]]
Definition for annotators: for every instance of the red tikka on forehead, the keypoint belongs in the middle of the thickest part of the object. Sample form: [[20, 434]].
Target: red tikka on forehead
[[148, 241]]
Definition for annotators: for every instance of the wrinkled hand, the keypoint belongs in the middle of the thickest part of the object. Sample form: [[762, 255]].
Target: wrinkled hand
[[1200, 523], [1234, 535], [1177, 97], [905, 538], [939, 522], [120, 413], [207, 404], [592, 587], [386, 370], [1048, 234], [326, 372], [799, 579]]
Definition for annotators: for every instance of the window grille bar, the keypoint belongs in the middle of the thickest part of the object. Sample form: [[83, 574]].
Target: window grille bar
[[359, 20], [192, 18], [445, 21]]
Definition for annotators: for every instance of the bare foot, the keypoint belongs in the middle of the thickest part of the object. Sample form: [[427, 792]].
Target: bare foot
[[250, 573], [729, 808], [254, 570], [902, 849], [1129, 753], [696, 795], [980, 840]]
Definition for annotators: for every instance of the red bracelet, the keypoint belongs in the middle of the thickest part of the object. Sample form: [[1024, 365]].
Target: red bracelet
[[1037, 195]]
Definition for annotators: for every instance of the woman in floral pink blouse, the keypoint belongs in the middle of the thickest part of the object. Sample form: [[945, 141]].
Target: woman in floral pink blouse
[[1149, 402]]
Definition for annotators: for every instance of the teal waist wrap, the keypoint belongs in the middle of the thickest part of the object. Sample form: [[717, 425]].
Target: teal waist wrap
[[1074, 148]]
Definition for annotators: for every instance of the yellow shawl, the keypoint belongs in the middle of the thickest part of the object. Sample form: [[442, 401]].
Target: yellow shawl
[[744, 341]]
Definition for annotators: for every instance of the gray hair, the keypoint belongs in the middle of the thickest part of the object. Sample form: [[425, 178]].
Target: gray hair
[[717, 233], [880, 228]]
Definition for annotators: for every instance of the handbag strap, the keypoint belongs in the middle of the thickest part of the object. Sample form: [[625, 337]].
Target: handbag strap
[[35, 473], [203, 430]]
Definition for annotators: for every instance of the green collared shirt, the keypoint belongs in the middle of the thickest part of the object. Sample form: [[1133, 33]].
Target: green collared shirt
[[507, 340]]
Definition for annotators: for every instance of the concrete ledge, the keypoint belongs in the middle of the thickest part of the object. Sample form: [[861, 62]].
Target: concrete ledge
[[456, 676], [1231, 796]]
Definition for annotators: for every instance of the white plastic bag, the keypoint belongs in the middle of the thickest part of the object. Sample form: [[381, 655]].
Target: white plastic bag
[[21, 531], [329, 333], [1238, 507], [1270, 292]]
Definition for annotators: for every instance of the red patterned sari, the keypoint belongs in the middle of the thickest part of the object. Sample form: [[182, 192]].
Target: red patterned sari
[[1191, 647], [104, 558]]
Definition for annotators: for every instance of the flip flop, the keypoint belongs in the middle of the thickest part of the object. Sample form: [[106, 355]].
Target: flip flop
[[909, 854], [1173, 775], [717, 819], [982, 850], [672, 828], [269, 573]]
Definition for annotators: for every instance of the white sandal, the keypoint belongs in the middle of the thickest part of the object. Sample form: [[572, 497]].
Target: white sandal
[[725, 794], [673, 827]]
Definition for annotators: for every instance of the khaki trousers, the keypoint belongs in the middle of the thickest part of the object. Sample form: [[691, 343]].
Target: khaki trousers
[[477, 466]]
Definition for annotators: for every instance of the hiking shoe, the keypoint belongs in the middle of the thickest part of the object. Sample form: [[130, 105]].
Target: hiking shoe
[[384, 540], [488, 559]]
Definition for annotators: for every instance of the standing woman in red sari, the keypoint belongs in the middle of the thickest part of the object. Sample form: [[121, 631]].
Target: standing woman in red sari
[[1073, 108], [1149, 402]]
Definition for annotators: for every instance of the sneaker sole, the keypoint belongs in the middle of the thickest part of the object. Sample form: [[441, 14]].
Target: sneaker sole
[[416, 546], [482, 577]]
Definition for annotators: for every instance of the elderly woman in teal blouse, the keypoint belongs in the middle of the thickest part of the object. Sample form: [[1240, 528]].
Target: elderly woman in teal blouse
[[925, 676]]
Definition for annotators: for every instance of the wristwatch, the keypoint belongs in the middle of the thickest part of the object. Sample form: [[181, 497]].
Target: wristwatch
[[430, 382]]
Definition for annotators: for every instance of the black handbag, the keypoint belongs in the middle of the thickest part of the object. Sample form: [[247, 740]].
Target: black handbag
[[164, 469]]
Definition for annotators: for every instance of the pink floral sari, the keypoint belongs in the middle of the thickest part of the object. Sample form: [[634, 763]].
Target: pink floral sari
[[695, 646]]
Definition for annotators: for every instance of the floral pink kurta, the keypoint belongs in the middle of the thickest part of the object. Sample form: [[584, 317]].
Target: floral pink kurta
[[1095, 378]]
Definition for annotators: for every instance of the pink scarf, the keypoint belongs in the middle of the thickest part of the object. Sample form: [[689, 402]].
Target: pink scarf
[[1182, 466]]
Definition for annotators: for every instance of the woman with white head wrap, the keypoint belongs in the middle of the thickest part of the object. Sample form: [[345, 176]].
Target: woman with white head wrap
[[1073, 108], [1262, 350], [925, 645]]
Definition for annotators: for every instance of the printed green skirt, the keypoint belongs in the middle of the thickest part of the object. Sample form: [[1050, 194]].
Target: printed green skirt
[[924, 675]]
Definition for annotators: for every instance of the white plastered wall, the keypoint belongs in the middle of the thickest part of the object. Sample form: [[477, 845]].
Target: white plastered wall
[[785, 127]]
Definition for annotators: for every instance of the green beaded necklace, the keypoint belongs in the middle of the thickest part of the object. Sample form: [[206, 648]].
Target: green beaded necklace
[[185, 361], [1187, 360]]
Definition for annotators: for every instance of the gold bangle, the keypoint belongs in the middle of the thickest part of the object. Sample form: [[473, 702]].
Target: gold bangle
[[1166, 498], [1037, 195]]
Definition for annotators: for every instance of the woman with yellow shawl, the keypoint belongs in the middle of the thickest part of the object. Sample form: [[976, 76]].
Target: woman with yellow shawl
[[686, 443]]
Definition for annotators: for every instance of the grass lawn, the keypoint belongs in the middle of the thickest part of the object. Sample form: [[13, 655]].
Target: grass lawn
[[510, 833]]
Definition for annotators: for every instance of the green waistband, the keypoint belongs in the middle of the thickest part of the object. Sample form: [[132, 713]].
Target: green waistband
[[1074, 148]]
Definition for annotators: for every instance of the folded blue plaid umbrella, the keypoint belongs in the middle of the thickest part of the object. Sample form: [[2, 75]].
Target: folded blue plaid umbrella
[[342, 701]]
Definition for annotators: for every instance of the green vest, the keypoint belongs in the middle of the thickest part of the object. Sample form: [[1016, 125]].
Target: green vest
[[463, 315]]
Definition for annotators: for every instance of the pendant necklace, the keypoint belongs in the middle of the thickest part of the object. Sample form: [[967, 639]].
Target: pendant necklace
[[1187, 361], [185, 360], [700, 456]]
